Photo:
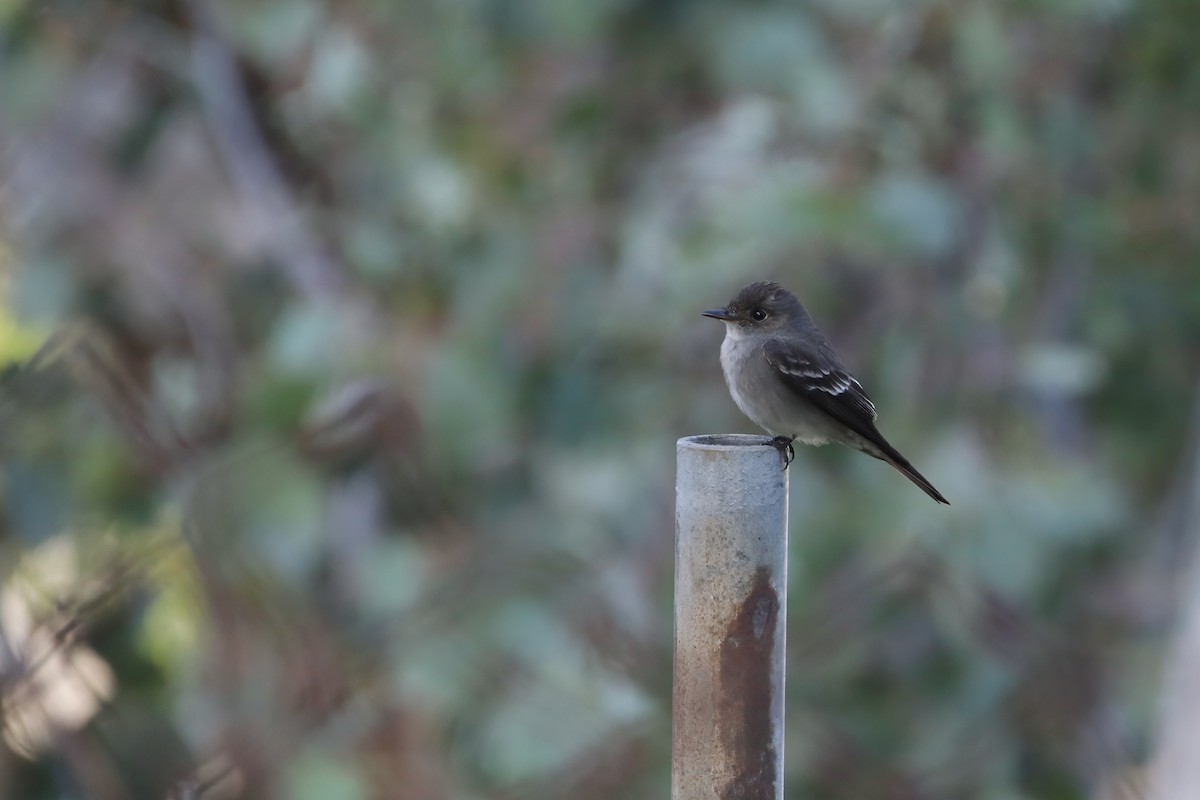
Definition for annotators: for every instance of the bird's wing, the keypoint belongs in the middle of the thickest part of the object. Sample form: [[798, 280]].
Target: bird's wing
[[826, 385]]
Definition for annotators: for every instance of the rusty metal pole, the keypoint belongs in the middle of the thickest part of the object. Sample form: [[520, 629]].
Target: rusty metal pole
[[731, 500]]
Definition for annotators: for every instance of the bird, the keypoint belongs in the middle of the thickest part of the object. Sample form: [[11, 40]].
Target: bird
[[785, 376]]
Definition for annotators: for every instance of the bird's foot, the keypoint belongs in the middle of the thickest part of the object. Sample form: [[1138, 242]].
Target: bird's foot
[[784, 445]]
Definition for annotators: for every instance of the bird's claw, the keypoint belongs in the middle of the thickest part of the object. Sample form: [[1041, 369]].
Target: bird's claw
[[784, 445]]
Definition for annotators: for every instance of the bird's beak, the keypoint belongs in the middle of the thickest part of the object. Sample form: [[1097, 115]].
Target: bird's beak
[[717, 313]]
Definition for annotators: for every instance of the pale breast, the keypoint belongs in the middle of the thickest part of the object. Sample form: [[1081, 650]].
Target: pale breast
[[734, 350], [770, 404]]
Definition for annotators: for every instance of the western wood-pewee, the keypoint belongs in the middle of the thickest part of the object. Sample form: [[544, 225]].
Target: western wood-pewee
[[784, 375]]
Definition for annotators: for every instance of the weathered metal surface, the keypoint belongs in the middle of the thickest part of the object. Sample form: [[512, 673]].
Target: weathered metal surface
[[730, 619]]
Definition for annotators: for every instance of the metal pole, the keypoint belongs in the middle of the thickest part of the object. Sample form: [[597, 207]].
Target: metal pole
[[731, 499]]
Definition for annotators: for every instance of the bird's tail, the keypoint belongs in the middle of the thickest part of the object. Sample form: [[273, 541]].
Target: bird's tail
[[892, 456]]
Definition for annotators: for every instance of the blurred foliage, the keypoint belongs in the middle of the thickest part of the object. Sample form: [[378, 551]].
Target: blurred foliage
[[344, 345]]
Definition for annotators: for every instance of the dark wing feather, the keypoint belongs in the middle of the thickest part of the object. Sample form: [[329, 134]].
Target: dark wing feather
[[826, 385], [821, 380]]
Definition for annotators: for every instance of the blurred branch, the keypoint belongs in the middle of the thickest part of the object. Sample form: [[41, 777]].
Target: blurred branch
[[251, 163], [68, 623], [1176, 771]]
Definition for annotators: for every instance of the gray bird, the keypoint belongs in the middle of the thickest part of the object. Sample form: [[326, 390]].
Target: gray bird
[[784, 375]]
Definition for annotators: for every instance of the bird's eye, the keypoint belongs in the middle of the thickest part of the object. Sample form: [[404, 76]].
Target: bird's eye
[[758, 315]]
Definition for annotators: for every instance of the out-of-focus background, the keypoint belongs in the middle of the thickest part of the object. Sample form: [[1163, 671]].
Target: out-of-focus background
[[345, 344]]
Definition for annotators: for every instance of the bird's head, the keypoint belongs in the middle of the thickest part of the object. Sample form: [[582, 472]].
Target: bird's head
[[764, 306]]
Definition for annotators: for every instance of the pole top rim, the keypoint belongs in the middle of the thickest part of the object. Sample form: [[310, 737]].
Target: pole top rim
[[722, 441]]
